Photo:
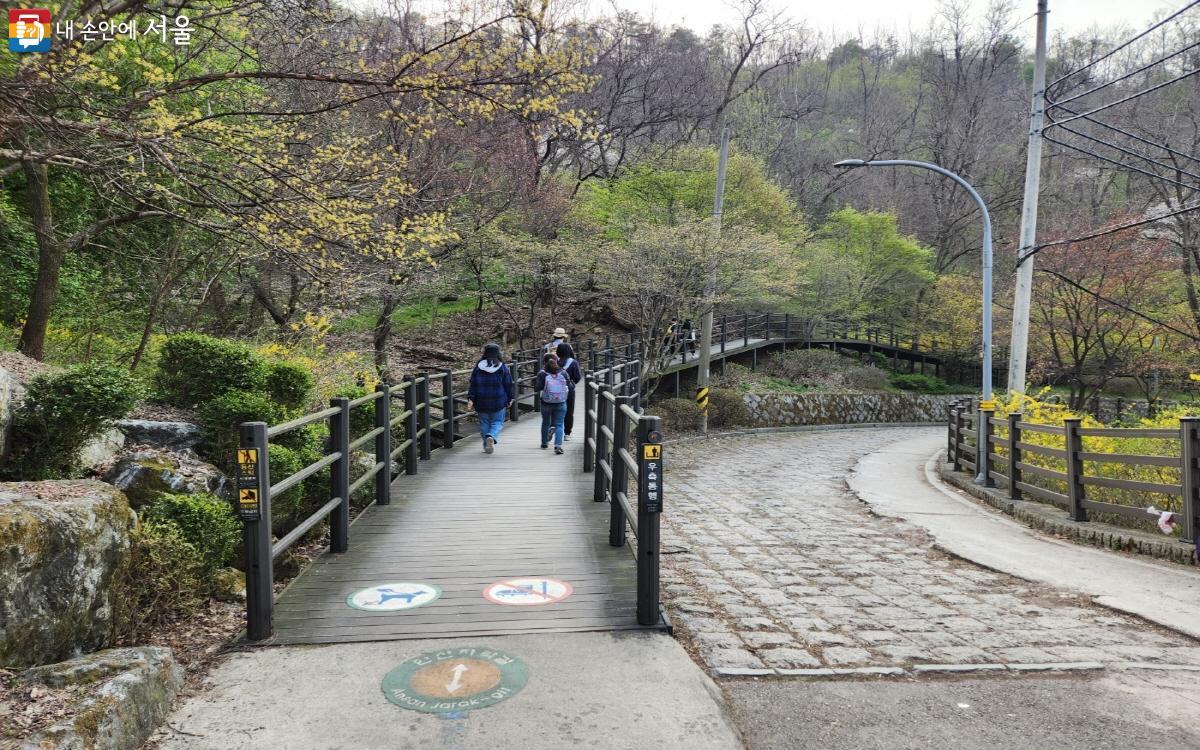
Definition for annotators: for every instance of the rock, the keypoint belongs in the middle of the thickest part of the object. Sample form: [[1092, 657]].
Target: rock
[[101, 451], [10, 392], [229, 585], [142, 475], [172, 436], [61, 543], [133, 689]]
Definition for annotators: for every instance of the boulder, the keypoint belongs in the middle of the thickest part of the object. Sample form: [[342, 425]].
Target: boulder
[[130, 693], [61, 543], [101, 451], [144, 474], [171, 436], [10, 392]]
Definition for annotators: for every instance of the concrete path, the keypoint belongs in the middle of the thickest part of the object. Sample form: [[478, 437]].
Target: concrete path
[[900, 481], [584, 690]]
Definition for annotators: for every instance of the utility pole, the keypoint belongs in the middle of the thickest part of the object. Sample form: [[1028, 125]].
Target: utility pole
[[1023, 292], [706, 323]]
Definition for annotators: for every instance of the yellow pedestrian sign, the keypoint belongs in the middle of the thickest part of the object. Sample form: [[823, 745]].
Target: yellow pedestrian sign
[[651, 451]]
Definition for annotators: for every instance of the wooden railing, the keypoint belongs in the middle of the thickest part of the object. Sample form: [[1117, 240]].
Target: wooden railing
[[623, 445], [1062, 466], [422, 417]]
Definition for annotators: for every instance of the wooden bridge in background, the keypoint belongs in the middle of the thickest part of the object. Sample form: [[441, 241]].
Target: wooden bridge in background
[[450, 541]]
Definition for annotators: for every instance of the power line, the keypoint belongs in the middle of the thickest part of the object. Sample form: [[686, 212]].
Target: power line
[[1137, 154], [1121, 164], [1104, 232], [1135, 137], [1119, 305], [1115, 50], [1129, 98], [1145, 67]]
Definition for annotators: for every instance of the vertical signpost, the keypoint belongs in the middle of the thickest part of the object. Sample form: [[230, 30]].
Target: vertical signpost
[[650, 505], [254, 508]]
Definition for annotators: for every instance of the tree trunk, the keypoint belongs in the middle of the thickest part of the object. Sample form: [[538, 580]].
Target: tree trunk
[[383, 333], [50, 259]]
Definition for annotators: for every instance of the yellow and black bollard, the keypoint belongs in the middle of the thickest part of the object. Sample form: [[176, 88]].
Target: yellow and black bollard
[[702, 398]]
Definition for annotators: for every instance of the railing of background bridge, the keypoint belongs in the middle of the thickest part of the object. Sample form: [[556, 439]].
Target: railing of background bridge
[[416, 422], [1052, 464]]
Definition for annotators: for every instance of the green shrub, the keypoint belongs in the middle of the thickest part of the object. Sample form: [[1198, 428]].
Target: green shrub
[[677, 414], [298, 503], [735, 376], [204, 521], [919, 383], [220, 417], [289, 384], [194, 368], [61, 413], [826, 369], [726, 408], [163, 581], [362, 417]]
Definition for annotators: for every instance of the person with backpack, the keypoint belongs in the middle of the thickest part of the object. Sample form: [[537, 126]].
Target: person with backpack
[[553, 390], [560, 337], [490, 394], [570, 365]]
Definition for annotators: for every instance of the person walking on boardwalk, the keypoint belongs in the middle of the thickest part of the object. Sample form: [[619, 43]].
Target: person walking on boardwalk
[[490, 394], [553, 388], [570, 366], [560, 337]]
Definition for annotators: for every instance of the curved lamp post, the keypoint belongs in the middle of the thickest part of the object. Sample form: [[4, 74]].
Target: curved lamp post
[[987, 262]]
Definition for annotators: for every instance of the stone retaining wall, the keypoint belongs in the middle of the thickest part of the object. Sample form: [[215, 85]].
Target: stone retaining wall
[[783, 409]]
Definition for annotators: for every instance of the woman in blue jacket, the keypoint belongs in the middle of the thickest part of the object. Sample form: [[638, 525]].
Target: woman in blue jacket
[[490, 394]]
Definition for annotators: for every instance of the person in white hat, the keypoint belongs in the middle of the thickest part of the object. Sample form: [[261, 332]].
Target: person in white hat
[[560, 336]]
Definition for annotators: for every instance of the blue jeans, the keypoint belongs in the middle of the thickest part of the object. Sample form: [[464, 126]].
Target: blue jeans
[[490, 424], [552, 417]]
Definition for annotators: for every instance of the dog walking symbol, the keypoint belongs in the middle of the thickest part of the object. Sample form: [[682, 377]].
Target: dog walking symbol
[[524, 592], [394, 597]]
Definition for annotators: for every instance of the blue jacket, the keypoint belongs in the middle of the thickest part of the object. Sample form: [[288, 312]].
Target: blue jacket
[[491, 388]]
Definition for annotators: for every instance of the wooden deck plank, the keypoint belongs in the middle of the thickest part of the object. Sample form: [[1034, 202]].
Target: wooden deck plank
[[465, 521]]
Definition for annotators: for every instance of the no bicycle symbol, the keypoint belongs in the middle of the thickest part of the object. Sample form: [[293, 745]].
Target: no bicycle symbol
[[524, 592], [394, 597]]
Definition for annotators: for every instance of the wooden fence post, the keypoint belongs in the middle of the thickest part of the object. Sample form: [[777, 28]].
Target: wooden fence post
[[426, 418], [620, 477], [339, 475], [383, 443], [589, 427], [983, 447], [949, 433], [410, 426], [515, 410], [1189, 433], [958, 438], [1014, 455], [448, 408], [1075, 490], [599, 486]]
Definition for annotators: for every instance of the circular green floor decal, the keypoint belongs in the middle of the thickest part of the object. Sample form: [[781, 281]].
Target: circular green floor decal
[[456, 679]]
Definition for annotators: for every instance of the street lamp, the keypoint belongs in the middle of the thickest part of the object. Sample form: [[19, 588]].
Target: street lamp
[[986, 403]]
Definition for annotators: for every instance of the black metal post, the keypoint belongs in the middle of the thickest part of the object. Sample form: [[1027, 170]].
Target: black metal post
[[599, 486], [410, 426], [448, 408], [983, 444], [620, 480], [746, 330], [650, 503], [339, 475], [383, 444], [1075, 490], [958, 441], [724, 329], [254, 488]]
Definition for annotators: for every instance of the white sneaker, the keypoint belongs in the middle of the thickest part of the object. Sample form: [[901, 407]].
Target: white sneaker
[[489, 444]]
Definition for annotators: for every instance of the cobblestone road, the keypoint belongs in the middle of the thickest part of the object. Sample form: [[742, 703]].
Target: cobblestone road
[[770, 562]]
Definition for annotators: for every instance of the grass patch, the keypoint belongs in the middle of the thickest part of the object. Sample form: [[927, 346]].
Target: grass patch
[[408, 317]]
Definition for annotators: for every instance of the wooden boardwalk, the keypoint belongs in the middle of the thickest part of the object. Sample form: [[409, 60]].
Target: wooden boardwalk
[[466, 521]]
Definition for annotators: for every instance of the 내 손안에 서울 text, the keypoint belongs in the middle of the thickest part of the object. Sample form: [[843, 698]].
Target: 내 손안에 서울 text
[[29, 30]]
